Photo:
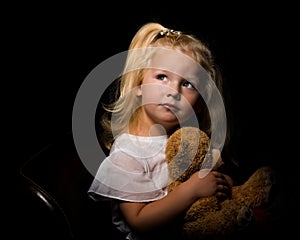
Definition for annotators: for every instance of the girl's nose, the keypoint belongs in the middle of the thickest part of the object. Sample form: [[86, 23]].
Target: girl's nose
[[174, 92], [176, 96]]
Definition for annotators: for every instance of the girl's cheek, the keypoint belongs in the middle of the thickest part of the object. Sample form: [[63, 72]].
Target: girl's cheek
[[152, 97]]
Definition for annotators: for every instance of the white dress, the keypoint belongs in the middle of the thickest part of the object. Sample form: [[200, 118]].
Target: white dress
[[135, 171]]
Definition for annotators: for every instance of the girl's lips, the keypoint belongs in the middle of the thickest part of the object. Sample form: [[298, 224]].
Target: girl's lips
[[172, 107]]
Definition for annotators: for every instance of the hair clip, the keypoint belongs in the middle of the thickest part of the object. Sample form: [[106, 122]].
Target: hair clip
[[167, 32]]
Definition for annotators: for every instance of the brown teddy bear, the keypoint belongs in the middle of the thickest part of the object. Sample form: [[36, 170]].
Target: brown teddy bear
[[209, 217]]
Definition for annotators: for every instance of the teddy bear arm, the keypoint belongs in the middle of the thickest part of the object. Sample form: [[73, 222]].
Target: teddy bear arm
[[202, 207], [223, 222], [255, 192]]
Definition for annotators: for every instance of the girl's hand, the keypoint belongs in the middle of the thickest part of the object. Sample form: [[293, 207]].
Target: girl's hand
[[214, 183]]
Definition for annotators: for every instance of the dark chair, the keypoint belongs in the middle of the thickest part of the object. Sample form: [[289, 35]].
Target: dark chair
[[55, 203]]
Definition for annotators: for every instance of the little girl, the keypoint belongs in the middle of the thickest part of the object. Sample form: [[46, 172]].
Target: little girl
[[161, 88]]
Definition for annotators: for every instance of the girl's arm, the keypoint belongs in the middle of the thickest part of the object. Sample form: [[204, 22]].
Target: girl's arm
[[144, 217]]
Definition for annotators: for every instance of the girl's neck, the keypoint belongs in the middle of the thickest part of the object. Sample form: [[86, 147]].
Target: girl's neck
[[142, 126], [147, 131]]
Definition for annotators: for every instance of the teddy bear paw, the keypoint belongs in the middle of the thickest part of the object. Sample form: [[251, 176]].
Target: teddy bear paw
[[245, 217]]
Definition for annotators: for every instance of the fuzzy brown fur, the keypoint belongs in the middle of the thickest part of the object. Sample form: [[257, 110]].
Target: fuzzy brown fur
[[210, 218]]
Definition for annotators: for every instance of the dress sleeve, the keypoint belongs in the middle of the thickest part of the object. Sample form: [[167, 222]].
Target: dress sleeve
[[122, 176]]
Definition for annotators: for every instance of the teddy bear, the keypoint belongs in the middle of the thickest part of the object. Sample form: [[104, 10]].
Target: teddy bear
[[210, 217]]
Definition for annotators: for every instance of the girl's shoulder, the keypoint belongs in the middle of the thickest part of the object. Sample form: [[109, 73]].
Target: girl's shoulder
[[139, 147]]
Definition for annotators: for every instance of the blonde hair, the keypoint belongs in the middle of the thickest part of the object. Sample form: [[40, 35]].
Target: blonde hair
[[126, 107]]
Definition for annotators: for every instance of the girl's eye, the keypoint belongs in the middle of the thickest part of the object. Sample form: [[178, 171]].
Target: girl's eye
[[187, 84], [162, 77]]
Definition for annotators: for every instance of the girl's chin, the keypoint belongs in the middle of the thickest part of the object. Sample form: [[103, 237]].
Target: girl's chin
[[169, 122]]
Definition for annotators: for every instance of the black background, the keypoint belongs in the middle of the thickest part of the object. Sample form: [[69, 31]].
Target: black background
[[52, 48], [55, 47]]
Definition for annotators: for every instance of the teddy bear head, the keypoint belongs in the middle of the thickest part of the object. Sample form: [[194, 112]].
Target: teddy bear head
[[185, 152]]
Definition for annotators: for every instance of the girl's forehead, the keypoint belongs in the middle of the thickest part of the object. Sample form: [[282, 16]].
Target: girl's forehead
[[177, 63]]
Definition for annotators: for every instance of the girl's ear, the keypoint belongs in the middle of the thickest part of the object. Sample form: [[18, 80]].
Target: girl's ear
[[138, 91]]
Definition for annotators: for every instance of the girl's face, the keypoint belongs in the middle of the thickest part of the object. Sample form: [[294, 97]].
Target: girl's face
[[168, 98]]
